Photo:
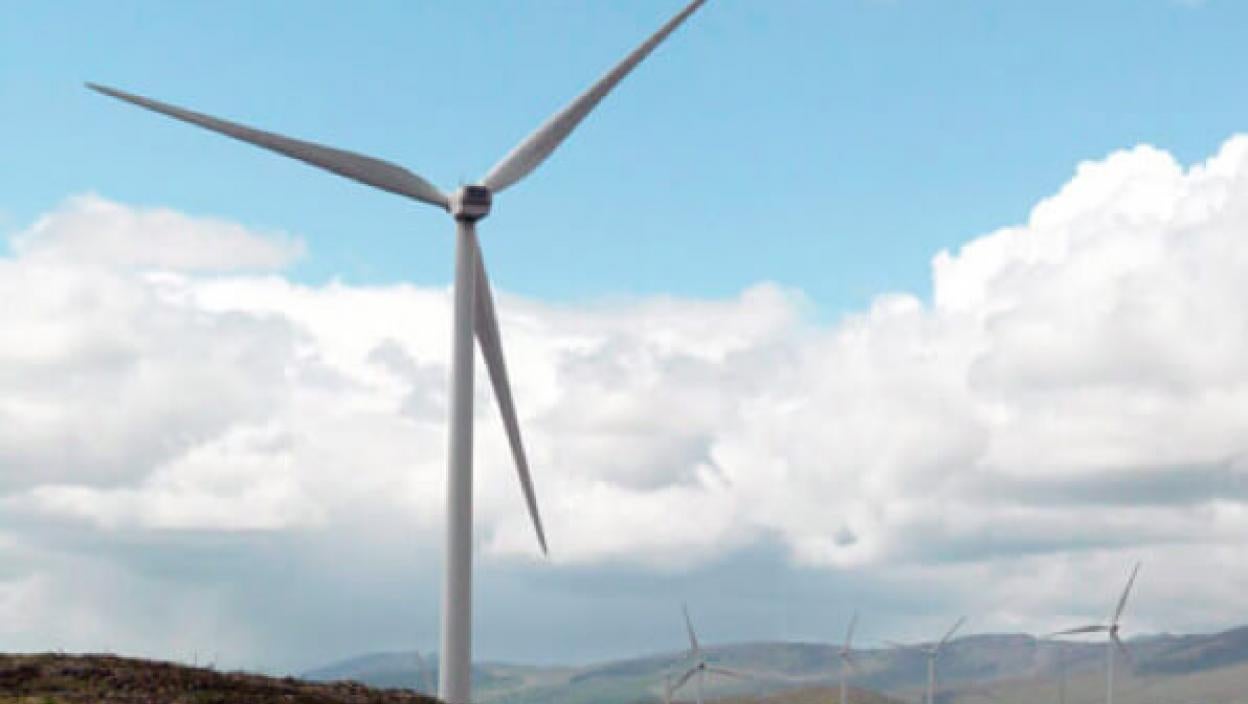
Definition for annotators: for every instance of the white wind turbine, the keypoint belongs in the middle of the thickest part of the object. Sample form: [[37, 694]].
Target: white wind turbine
[[700, 666], [426, 674], [931, 652], [473, 313], [847, 658], [1111, 629]]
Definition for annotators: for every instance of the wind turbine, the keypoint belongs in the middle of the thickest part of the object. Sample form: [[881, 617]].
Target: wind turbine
[[847, 658], [426, 674], [700, 666], [473, 312], [1111, 629], [931, 652]]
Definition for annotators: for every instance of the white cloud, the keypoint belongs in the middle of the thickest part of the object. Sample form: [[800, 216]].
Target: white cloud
[[91, 230], [1075, 390]]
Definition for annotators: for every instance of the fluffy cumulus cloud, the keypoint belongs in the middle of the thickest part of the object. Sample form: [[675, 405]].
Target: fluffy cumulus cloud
[[1071, 395], [96, 232]]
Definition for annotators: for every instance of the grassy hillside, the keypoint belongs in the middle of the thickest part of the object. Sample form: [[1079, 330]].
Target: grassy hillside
[[1223, 685], [407, 671], [107, 679]]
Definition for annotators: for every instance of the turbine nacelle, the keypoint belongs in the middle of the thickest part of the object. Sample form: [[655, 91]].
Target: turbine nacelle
[[470, 203]]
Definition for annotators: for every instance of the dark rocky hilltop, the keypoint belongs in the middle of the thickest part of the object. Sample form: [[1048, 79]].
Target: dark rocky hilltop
[[108, 679]]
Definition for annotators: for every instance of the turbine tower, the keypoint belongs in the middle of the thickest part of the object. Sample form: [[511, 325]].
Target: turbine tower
[[931, 652], [473, 313], [1111, 629], [700, 666], [847, 658]]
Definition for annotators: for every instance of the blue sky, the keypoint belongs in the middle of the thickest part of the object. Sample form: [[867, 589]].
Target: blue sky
[[829, 146], [930, 458]]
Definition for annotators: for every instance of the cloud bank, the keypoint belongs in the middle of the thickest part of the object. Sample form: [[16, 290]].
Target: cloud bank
[[1071, 395]]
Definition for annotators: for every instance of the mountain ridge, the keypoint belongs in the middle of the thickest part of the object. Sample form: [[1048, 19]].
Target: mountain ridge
[[970, 667]]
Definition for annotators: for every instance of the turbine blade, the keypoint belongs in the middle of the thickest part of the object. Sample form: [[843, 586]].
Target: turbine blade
[[492, 353], [693, 638], [685, 678], [1122, 602], [949, 635], [849, 635], [1081, 629], [728, 672], [365, 169], [527, 155]]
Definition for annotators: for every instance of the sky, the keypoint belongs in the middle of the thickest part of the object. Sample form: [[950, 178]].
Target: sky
[[911, 308]]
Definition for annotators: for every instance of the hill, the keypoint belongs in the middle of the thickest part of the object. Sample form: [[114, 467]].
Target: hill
[[976, 669], [812, 695], [108, 679]]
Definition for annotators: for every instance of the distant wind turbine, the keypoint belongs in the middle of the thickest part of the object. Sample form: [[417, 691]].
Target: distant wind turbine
[[473, 313], [931, 652], [700, 666], [846, 655], [1111, 629], [427, 684]]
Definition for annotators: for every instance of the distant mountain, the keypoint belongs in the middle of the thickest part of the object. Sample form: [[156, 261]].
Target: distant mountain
[[405, 670], [1204, 669], [1187, 654], [378, 670], [977, 669]]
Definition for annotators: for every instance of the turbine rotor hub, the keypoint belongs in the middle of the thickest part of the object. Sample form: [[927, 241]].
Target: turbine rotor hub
[[470, 203]]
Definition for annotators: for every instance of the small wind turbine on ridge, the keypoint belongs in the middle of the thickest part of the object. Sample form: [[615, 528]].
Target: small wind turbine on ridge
[[847, 658], [700, 666], [1111, 629], [931, 652]]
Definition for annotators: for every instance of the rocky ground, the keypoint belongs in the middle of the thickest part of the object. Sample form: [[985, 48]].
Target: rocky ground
[[108, 679]]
